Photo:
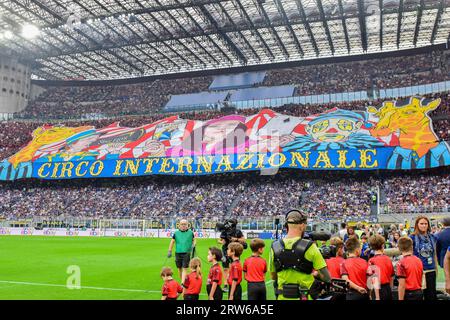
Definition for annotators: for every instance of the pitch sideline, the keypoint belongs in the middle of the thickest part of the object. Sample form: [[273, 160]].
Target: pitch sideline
[[92, 288]]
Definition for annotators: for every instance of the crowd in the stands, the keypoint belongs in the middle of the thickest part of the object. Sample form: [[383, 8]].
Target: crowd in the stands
[[105, 101], [244, 195], [15, 134], [149, 97], [214, 197], [380, 73]]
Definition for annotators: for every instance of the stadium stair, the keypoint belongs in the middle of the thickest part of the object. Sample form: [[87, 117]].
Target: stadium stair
[[242, 188]]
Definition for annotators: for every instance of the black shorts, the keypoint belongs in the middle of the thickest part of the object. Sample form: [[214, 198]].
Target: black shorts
[[237, 293], [182, 260], [191, 297], [385, 292], [218, 294], [355, 295], [256, 291], [413, 295]]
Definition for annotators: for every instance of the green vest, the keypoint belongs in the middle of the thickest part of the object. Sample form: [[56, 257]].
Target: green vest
[[183, 241], [292, 276]]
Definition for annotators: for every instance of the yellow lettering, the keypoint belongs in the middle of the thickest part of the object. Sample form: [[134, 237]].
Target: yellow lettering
[[66, 170], [343, 159], [165, 165], [205, 163], [149, 163], [303, 161], [118, 167], [182, 165], [42, 168], [99, 170], [323, 157], [261, 158], [272, 160], [79, 167], [244, 161], [224, 161], [365, 158], [132, 165], [55, 169]]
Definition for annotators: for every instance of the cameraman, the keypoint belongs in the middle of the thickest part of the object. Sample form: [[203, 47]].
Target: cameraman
[[229, 233], [293, 260]]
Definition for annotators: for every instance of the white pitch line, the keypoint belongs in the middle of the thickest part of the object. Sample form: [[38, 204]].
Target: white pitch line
[[439, 286], [81, 287], [92, 288]]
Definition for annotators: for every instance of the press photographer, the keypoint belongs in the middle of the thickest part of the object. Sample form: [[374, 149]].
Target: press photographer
[[229, 233]]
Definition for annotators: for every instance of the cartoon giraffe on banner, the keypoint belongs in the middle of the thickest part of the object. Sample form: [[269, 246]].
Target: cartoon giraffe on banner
[[419, 147]]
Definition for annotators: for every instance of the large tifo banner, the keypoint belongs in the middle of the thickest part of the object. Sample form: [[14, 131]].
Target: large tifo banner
[[397, 135]]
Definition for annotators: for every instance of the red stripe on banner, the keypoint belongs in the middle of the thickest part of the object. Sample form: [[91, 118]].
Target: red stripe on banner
[[189, 128]]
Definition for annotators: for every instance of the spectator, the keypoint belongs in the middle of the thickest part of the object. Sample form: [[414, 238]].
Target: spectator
[[343, 230], [443, 241], [424, 244]]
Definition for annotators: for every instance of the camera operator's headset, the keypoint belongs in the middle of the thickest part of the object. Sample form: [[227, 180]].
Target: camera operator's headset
[[287, 222]]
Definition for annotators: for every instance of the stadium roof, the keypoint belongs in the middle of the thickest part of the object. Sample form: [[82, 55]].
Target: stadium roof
[[108, 39]]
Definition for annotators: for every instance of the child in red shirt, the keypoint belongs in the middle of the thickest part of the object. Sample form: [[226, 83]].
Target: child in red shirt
[[255, 268], [334, 263], [215, 275], [409, 272], [171, 289], [234, 280], [382, 270], [193, 281], [354, 270]]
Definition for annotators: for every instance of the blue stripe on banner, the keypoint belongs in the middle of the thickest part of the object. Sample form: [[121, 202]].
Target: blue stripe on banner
[[345, 159], [354, 159]]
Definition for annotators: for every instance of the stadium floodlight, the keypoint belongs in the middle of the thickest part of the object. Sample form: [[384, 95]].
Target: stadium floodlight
[[30, 31]]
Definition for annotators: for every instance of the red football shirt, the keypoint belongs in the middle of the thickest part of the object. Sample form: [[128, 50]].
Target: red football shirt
[[171, 288], [356, 270], [411, 268], [235, 272], [193, 283], [334, 266], [215, 274], [255, 268], [384, 264]]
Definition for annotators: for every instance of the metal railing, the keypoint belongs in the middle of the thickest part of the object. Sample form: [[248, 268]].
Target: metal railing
[[411, 209]]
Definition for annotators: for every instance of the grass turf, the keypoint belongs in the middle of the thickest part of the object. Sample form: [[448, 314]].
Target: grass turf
[[33, 267]]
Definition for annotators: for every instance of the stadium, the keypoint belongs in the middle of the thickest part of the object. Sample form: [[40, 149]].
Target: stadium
[[126, 125]]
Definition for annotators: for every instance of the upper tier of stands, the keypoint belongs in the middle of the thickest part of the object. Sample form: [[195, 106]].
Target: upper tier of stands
[[370, 77]]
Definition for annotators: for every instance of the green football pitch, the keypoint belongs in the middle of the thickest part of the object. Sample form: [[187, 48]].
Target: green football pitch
[[33, 267]]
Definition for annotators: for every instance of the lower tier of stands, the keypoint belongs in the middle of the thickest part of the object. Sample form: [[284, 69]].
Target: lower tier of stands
[[323, 194]]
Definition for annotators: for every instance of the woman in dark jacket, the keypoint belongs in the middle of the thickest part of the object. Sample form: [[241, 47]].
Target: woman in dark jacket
[[425, 249]]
